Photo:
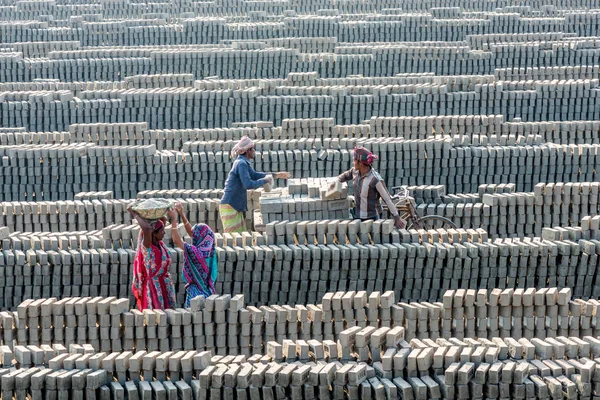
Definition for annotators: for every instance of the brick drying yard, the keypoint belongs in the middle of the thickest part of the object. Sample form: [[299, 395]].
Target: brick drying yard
[[488, 110]]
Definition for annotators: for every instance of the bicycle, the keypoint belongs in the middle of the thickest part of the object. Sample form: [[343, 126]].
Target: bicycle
[[407, 208]]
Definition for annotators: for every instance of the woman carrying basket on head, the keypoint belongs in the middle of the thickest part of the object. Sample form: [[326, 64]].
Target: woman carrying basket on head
[[200, 258], [152, 285]]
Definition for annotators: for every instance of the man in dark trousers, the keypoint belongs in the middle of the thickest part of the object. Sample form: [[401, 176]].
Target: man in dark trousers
[[369, 188]]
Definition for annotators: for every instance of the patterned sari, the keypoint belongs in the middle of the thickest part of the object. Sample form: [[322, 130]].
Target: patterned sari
[[152, 285], [232, 220], [200, 263]]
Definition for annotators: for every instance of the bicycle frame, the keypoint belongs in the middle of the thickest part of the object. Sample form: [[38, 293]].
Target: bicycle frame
[[407, 209], [406, 206]]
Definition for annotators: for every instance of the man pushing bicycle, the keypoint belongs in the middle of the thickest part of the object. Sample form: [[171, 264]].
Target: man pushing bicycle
[[369, 188]]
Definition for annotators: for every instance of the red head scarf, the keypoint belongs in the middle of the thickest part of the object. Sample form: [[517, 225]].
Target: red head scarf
[[363, 155]]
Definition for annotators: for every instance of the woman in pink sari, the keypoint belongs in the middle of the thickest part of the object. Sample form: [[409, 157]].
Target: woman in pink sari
[[152, 285]]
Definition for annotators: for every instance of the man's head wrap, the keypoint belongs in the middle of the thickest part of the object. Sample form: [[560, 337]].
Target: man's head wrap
[[242, 146], [365, 156]]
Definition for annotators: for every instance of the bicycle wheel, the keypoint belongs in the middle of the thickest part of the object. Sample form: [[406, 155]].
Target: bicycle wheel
[[432, 222]]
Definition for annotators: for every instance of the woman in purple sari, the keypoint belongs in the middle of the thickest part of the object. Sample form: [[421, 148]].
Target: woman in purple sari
[[200, 258]]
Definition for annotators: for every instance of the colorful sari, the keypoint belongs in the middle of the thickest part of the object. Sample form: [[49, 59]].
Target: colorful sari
[[199, 264], [152, 285], [232, 220]]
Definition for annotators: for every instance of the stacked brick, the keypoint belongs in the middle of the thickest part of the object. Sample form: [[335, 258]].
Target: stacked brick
[[93, 211], [455, 43], [305, 200], [487, 111], [316, 133], [125, 170], [497, 209], [417, 370], [224, 325], [276, 267], [503, 212], [207, 106]]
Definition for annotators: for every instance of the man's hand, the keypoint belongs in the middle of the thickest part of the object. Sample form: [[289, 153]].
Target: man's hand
[[282, 175], [399, 222]]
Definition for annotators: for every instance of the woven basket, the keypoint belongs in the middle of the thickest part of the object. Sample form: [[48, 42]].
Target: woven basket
[[152, 209]]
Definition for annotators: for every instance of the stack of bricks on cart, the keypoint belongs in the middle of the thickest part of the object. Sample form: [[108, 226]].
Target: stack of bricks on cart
[[305, 200]]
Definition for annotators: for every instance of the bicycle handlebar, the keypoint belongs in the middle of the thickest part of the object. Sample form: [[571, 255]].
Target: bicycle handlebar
[[400, 191]]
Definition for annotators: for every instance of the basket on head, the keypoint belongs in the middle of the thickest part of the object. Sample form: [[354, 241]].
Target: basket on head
[[152, 209]]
